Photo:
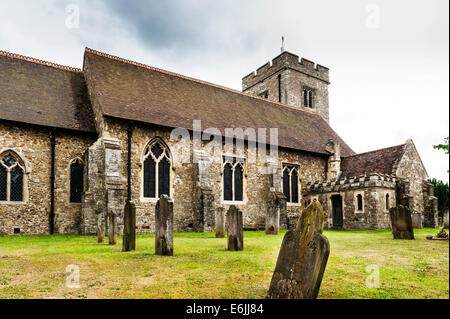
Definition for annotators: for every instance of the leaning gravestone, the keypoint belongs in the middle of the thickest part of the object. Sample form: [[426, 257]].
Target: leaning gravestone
[[164, 226], [402, 227], [220, 222], [129, 227], [302, 259], [112, 239], [235, 229]]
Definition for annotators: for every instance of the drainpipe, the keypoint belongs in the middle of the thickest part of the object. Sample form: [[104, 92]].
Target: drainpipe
[[130, 135], [52, 181]]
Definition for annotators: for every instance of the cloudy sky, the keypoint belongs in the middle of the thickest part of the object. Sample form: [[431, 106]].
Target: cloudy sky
[[388, 60]]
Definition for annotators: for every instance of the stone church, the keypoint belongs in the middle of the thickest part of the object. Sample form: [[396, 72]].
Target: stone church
[[75, 145]]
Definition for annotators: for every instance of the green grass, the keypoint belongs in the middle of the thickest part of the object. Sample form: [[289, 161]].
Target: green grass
[[34, 267]]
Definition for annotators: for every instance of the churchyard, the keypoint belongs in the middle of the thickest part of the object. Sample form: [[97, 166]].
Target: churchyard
[[202, 267]]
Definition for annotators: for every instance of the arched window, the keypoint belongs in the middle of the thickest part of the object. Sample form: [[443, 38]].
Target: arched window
[[156, 169], [76, 181], [290, 183], [359, 199], [233, 179], [387, 201], [12, 171]]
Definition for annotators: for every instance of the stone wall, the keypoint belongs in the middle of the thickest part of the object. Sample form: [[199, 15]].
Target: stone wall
[[32, 144]]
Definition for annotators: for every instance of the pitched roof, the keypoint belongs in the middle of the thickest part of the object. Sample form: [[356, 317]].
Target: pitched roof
[[43, 93], [383, 161], [129, 90]]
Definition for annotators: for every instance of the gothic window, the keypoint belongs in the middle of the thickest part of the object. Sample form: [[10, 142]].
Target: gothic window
[[12, 171], [156, 170], [359, 200], [387, 201], [290, 183], [76, 180], [308, 98], [233, 179]]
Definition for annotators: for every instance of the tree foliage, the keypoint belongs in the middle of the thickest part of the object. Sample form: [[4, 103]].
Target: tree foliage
[[443, 147], [441, 191]]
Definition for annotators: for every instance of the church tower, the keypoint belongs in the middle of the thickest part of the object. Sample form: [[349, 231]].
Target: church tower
[[286, 79]]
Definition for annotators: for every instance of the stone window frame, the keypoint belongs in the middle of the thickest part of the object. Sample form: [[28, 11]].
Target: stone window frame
[[357, 211], [295, 166], [144, 155], [69, 179], [225, 160], [311, 93], [23, 164]]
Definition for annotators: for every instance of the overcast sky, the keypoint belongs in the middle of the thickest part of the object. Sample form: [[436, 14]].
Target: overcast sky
[[388, 60]]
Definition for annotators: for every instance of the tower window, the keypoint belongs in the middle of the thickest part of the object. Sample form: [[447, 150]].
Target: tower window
[[290, 183], [308, 98], [264, 94], [387, 201], [76, 181], [233, 179]]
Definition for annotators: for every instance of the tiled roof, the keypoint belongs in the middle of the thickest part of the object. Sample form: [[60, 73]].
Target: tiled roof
[[129, 90], [43, 93], [383, 161]]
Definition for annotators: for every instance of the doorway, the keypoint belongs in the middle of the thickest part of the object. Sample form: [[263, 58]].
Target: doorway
[[338, 218]]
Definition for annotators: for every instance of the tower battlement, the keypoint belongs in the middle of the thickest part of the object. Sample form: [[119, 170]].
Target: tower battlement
[[282, 61]]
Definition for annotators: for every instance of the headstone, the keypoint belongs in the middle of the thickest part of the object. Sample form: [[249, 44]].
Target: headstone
[[235, 229], [275, 208], [401, 222], [302, 259], [416, 219], [220, 222], [129, 227], [164, 226], [445, 219], [112, 239], [100, 228]]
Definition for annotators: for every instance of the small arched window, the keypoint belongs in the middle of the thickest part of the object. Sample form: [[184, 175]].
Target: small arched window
[[156, 166], [359, 200], [76, 181], [12, 175], [290, 183], [387, 201]]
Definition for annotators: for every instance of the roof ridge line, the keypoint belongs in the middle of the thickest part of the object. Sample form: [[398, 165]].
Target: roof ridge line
[[38, 61], [380, 149], [146, 66]]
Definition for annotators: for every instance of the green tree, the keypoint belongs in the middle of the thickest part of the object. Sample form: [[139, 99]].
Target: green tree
[[441, 191], [442, 146]]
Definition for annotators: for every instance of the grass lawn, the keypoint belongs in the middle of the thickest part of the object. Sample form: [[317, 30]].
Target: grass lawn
[[34, 267]]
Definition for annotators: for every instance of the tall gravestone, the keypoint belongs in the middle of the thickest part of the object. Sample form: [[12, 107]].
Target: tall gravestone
[[100, 227], [220, 222], [302, 259], [416, 219], [235, 229], [164, 226], [445, 219], [401, 221], [129, 227], [112, 237], [275, 207]]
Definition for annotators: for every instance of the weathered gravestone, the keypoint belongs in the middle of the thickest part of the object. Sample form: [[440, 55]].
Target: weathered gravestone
[[112, 237], [235, 229], [445, 219], [220, 222], [164, 226], [302, 259], [100, 227], [129, 227], [416, 219], [401, 222], [276, 206]]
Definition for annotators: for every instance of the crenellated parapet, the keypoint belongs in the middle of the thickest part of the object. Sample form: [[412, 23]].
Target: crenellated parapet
[[352, 183], [286, 60]]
